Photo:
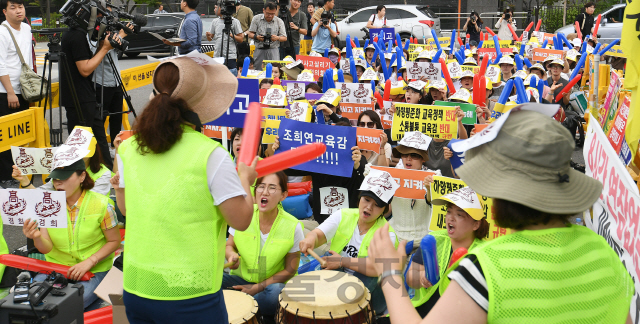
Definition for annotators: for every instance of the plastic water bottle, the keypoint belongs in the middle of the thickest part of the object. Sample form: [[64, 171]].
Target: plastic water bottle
[[579, 221]]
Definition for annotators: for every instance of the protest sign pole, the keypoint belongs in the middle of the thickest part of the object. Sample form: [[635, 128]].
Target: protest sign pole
[[596, 79], [225, 144]]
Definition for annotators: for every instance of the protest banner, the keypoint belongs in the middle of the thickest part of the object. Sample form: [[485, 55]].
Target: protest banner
[[542, 36], [470, 115], [417, 70], [354, 93], [234, 117], [473, 68], [480, 127], [616, 213], [411, 181], [216, 131], [388, 34], [74, 148], [273, 114], [32, 160], [492, 45], [433, 121], [616, 51], [353, 110], [339, 141], [610, 101], [444, 185], [492, 52], [47, 208], [618, 125], [317, 65], [625, 152], [369, 139], [541, 54], [270, 131]]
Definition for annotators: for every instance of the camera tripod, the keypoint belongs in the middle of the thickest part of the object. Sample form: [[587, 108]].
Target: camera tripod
[[228, 22], [55, 54]]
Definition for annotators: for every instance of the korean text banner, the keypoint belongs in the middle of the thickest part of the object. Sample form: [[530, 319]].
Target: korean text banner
[[470, 117], [353, 110], [434, 121], [270, 131], [273, 114], [316, 64], [369, 139], [216, 131], [339, 141], [47, 208], [389, 34], [234, 117], [442, 186], [616, 213], [411, 181]]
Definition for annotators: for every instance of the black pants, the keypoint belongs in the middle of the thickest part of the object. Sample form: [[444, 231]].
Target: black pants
[[92, 119], [112, 103], [6, 162]]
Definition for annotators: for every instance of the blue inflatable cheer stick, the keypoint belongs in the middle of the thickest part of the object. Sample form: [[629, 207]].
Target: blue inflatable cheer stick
[[269, 72], [340, 75], [436, 57], [527, 62], [245, 66], [430, 258]]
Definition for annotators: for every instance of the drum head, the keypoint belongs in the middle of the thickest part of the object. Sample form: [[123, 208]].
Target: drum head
[[241, 307], [324, 294]]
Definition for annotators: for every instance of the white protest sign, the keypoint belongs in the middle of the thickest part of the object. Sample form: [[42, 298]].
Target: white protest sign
[[296, 90], [298, 110], [417, 70], [47, 208], [616, 214], [358, 93], [33, 160], [74, 148]]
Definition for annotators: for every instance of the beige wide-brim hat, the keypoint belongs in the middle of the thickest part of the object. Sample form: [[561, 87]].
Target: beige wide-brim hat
[[401, 149], [528, 163], [209, 90]]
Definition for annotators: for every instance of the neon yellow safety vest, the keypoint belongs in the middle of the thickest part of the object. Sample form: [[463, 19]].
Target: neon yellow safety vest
[[100, 173], [443, 248], [175, 234], [557, 275], [257, 265], [348, 225], [4, 249], [73, 245]]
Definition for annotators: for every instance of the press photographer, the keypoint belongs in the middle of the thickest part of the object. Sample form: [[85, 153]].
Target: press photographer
[[322, 33], [267, 30], [78, 94], [229, 27], [473, 26]]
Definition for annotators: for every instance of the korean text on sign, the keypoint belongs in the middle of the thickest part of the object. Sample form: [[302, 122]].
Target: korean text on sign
[[316, 64], [234, 116], [339, 141], [47, 208], [411, 181], [434, 121], [369, 139]]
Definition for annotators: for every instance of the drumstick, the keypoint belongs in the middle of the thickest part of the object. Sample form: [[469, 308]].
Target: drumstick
[[229, 264], [323, 263]]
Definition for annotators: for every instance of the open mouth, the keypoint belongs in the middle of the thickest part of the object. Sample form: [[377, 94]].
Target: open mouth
[[408, 165], [366, 214], [450, 228], [263, 202]]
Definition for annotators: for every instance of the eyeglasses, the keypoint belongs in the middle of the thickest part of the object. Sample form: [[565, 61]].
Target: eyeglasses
[[367, 124], [413, 156], [272, 188]]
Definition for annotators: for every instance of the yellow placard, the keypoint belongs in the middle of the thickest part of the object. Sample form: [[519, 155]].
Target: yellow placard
[[444, 185], [17, 129], [305, 46], [490, 44], [616, 51], [472, 68], [434, 121], [270, 131], [273, 114]]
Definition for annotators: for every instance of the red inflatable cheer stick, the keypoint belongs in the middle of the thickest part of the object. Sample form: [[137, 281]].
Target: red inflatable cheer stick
[[476, 89], [595, 29], [387, 90], [353, 44], [490, 31], [568, 87], [483, 67], [447, 77], [483, 91], [379, 99], [457, 254], [513, 33], [577, 26], [98, 313], [30, 264], [288, 159], [481, 35], [460, 41], [250, 134], [527, 29], [538, 25]]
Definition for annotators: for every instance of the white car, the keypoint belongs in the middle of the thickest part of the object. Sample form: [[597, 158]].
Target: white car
[[408, 20], [610, 24]]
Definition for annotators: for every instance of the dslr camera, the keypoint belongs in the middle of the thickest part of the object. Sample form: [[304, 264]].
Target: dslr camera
[[507, 16], [80, 13], [325, 18], [267, 39], [473, 16]]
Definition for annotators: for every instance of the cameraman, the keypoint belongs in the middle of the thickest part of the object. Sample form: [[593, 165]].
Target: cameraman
[[503, 23], [473, 26], [298, 25], [267, 24], [82, 63], [244, 15], [323, 32], [221, 42]]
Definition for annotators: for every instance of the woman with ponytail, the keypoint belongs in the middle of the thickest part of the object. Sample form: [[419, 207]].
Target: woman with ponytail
[[182, 190]]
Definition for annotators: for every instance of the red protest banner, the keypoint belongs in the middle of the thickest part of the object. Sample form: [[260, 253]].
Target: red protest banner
[[616, 131], [411, 182], [541, 54], [316, 64], [492, 52], [369, 139], [216, 131], [352, 110]]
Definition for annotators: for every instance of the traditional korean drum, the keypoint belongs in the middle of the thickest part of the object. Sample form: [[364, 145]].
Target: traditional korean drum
[[241, 307]]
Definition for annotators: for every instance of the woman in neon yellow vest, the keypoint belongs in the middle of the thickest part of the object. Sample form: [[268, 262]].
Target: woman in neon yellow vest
[[350, 231], [273, 236], [182, 189], [547, 270], [92, 235], [466, 227]]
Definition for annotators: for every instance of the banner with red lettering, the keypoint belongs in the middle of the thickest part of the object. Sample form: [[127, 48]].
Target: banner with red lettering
[[216, 131], [315, 64], [492, 52], [616, 214]]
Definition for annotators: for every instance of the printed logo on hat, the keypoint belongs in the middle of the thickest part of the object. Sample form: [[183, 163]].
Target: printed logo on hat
[[417, 85], [305, 75], [274, 97], [438, 84], [462, 94], [381, 184], [369, 74], [293, 64], [416, 140], [331, 97], [520, 73]]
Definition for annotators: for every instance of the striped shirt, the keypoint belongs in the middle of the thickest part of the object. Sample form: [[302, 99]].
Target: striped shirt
[[471, 279], [110, 220]]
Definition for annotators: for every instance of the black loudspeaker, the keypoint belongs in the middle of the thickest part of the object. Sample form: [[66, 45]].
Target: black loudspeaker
[[60, 306]]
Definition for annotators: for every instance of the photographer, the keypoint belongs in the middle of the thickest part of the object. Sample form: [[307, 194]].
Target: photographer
[[82, 63], [504, 33], [245, 16], [322, 33], [473, 26], [218, 29], [298, 26], [267, 30]]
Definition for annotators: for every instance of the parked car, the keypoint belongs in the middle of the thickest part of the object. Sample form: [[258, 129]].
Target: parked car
[[207, 46], [408, 20], [610, 25]]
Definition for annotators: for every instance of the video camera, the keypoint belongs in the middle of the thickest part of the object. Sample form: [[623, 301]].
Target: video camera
[[84, 14]]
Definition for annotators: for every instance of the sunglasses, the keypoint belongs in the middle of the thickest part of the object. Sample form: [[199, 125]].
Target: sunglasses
[[367, 124], [413, 156]]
